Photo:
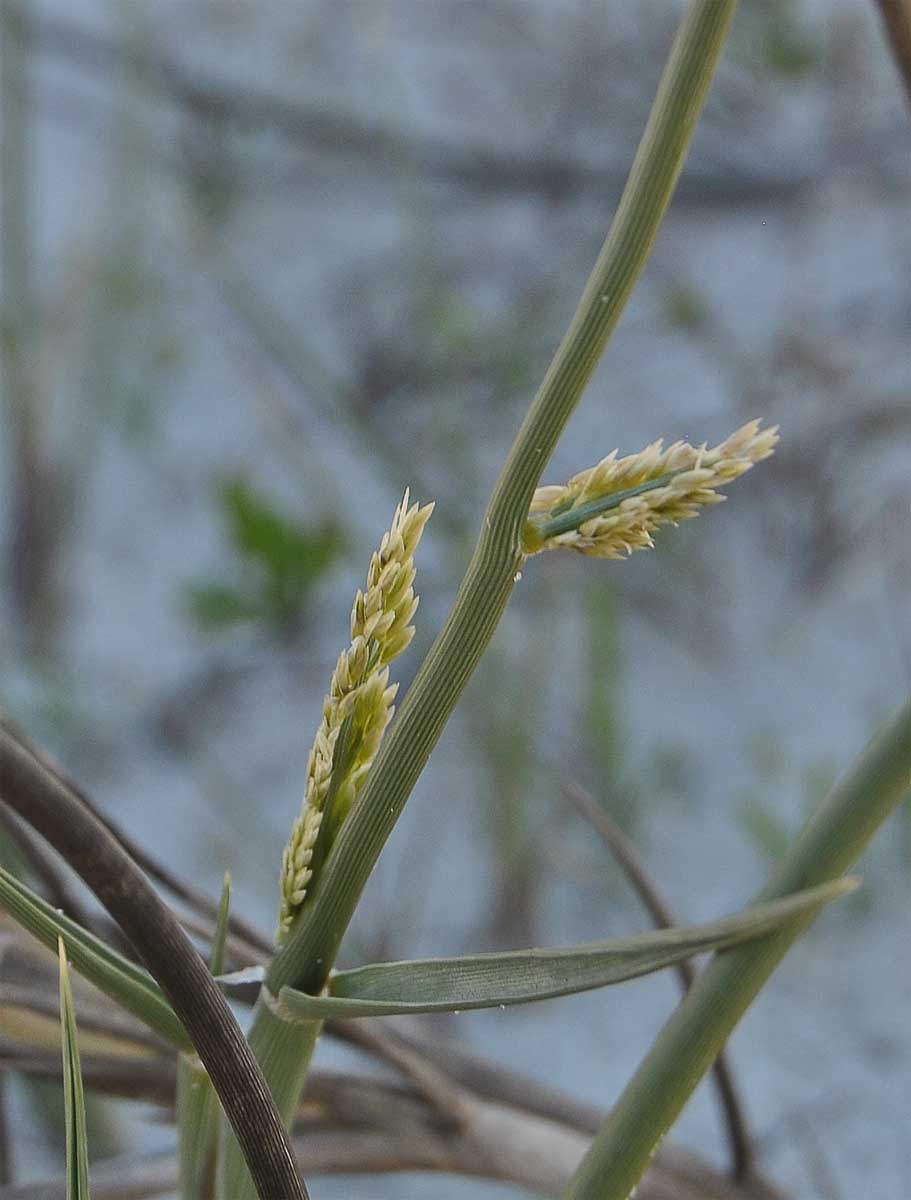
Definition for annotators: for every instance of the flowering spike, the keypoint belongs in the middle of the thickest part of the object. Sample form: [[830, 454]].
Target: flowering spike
[[669, 486], [359, 694]]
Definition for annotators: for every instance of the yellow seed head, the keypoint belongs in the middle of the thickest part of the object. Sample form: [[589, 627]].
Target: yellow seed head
[[696, 472], [359, 694]]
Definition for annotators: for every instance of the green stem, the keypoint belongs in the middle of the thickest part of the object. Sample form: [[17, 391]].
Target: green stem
[[307, 956], [197, 1124], [691, 1040], [284, 1049], [305, 959]]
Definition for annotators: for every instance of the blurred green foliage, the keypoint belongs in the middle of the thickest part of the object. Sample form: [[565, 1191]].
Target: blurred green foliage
[[685, 309], [671, 772], [279, 561], [775, 769], [766, 753], [768, 832], [774, 39]]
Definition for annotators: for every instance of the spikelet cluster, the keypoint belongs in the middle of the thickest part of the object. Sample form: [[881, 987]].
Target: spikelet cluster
[[696, 472], [381, 630]]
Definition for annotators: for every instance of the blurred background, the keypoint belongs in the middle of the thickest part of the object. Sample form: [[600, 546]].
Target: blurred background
[[264, 265]]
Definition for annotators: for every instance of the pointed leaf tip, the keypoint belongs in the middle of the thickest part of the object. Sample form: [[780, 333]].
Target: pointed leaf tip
[[77, 1154], [525, 976]]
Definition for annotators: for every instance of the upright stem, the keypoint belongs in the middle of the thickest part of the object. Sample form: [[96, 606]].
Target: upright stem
[[691, 1040], [307, 956]]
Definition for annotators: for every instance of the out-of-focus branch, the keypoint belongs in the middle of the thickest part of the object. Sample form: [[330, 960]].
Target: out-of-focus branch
[[147, 1081], [352, 1124], [249, 938], [40, 860], [32, 538], [663, 917], [6, 1144], [224, 104], [103, 1028], [490, 1081], [896, 19]]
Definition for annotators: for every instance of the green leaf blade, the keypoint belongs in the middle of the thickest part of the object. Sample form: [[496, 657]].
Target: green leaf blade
[[123, 981], [525, 976], [77, 1152], [217, 606]]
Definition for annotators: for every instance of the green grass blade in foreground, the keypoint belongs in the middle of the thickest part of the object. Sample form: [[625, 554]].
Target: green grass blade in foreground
[[197, 1103], [689, 1043], [524, 976], [77, 1150], [197, 1126], [126, 983]]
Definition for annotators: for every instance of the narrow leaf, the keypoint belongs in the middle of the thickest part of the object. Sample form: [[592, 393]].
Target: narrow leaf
[[131, 986], [523, 976], [77, 1147]]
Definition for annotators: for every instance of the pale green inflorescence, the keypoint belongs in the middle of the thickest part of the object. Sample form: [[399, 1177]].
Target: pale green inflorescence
[[360, 690], [685, 477]]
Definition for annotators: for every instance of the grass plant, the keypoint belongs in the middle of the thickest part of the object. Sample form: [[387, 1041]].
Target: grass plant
[[364, 765]]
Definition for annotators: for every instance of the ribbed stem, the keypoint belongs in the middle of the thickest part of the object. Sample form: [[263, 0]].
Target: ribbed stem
[[305, 960], [695, 1034], [307, 956]]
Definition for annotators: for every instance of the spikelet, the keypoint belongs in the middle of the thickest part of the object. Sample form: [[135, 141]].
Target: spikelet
[[695, 474], [359, 690]]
